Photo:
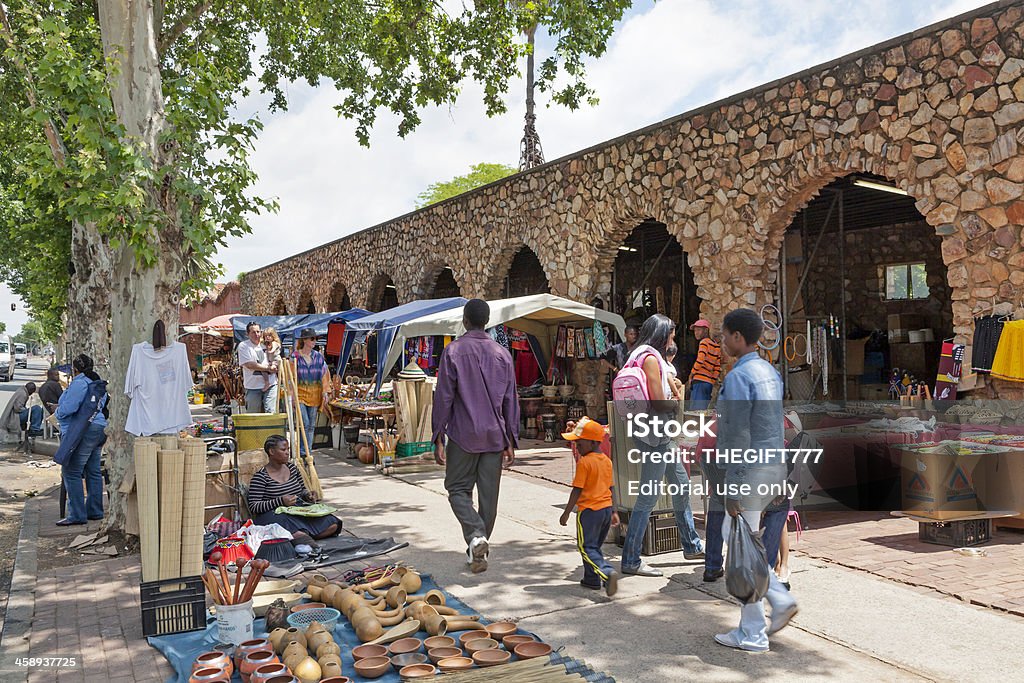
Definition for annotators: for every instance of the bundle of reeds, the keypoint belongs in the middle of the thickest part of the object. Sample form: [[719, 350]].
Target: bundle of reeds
[[413, 409]]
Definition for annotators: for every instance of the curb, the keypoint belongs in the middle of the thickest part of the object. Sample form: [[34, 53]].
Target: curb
[[21, 602]]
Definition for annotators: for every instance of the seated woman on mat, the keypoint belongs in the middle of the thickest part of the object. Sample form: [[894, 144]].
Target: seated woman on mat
[[280, 484]]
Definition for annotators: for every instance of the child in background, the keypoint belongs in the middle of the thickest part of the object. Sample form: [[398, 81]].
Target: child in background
[[272, 345], [677, 386], [592, 498]]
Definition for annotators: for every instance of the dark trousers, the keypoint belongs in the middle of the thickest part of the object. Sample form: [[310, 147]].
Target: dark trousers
[[464, 472], [714, 554], [773, 525], [700, 394], [591, 530]]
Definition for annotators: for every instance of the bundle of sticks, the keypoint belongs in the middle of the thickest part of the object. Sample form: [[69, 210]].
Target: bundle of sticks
[[287, 377], [219, 586], [385, 441], [414, 409]]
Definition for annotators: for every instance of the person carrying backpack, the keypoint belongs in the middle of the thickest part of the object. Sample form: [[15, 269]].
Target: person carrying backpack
[[82, 415], [647, 375]]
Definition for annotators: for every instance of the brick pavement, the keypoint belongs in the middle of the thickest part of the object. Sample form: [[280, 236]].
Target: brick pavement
[[93, 611]]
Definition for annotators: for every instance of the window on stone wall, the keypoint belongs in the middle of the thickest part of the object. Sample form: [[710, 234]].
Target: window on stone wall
[[905, 281]]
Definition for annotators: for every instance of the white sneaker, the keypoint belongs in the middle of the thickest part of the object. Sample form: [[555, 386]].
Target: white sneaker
[[732, 639], [782, 617], [477, 555]]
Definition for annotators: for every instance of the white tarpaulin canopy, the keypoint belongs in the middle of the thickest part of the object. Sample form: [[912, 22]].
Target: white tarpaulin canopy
[[538, 315]]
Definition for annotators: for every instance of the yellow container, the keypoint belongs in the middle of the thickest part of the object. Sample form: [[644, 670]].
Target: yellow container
[[198, 399], [252, 429]]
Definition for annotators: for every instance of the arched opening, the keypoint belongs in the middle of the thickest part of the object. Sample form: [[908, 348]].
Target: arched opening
[[339, 298], [525, 275], [280, 308], [444, 285], [306, 304], [383, 294], [651, 274], [863, 271]]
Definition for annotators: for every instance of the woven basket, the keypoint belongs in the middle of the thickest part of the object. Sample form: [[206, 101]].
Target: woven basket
[[325, 615]]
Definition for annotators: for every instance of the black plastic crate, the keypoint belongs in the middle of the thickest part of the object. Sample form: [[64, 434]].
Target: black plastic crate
[[958, 534], [661, 535], [173, 606]]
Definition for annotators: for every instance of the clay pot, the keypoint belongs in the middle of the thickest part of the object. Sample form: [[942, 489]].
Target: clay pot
[[511, 641], [455, 664], [315, 591], [305, 606], [277, 639], [491, 657], [329, 659], [207, 675], [287, 678], [500, 629], [254, 660], [313, 627], [367, 651], [307, 671], [373, 667], [330, 668], [405, 645], [438, 641], [434, 597], [295, 634], [331, 648], [531, 650], [336, 679], [417, 671], [248, 646], [293, 649], [215, 660], [268, 671], [478, 644], [317, 639], [472, 635], [436, 654]]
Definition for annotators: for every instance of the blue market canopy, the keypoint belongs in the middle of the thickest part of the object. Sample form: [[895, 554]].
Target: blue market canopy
[[288, 326], [386, 325]]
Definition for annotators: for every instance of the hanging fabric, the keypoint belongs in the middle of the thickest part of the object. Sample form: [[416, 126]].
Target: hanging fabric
[[1009, 361], [950, 364], [987, 330], [581, 345], [591, 346], [560, 343], [570, 343], [600, 339]]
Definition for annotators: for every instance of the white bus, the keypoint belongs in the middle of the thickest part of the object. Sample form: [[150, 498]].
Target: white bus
[[6, 359], [20, 355]]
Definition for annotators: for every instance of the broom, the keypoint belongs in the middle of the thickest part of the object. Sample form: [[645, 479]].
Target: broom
[[290, 410], [310, 477]]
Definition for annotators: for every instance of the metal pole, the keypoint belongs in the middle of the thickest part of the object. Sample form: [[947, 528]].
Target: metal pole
[[842, 293], [784, 323], [814, 252]]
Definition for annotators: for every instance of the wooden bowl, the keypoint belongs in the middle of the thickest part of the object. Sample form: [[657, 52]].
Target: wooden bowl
[[438, 641], [404, 645], [531, 650], [308, 605], [417, 671], [373, 667], [478, 644], [367, 651], [408, 659], [491, 657], [438, 653], [500, 629], [511, 641], [470, 635], [455, 664]]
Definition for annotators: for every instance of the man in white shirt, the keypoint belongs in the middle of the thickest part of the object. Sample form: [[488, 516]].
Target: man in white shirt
[[253, 359]]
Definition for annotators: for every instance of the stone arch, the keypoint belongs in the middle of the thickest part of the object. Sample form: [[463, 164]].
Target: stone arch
[[305, 304], [524, 258], [279, 308], [383, 293], [339, 299], [438, 280]]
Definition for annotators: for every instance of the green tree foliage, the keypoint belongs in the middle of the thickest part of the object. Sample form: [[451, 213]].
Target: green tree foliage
[[479, 175], [3, 327], [32, 334]]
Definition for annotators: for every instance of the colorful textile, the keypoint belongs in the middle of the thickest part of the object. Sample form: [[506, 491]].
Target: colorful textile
[[987, 330], [309, 377], [949, 371], [600, 340], [1009, 361]]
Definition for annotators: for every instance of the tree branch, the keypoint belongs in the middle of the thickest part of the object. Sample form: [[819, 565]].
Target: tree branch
[[167, 39], [56, 144]]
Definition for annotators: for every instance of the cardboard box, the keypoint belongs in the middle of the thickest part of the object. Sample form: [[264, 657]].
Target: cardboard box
[[855, 356], [933, 481]]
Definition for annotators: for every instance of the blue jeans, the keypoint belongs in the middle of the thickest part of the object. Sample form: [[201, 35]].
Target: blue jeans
[[714, 556], [700, 394], [33, 422], [591, 529], [257, 400], [773, 524], [308, 423], [84, 463], [651, 474]]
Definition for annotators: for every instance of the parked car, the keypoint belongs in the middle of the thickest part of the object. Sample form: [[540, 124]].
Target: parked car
[[6, 359], [20, 356]]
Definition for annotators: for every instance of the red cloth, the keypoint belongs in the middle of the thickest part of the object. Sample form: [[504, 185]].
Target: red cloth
[[527, 370], [335, 335]]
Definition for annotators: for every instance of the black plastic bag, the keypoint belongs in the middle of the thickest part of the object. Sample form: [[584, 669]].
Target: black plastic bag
[[746, 567]]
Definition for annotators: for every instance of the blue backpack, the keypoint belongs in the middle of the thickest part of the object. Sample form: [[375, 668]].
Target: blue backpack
[[92, 405]]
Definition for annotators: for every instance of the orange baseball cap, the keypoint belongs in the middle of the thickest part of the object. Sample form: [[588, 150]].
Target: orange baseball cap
[[701, 323], [586, 429]]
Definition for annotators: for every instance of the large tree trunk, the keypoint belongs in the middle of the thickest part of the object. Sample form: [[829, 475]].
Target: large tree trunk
[[140, 295], [88, 314]]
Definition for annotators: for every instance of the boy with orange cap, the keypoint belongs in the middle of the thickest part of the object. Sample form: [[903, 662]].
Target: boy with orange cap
[[706, 368], [592, 498]]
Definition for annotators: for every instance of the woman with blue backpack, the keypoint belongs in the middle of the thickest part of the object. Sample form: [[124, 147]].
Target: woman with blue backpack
[[82, 415], [647, 364]]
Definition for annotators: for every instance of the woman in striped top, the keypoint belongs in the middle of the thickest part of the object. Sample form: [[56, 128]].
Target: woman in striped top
[[279, 484]]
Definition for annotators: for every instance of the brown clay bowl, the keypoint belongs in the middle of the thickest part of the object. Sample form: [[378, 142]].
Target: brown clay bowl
[[438, 653], [373, 667], [491, 657], [455, 664], [511, 641], [404, 645], [416, 671], [336, 679], [308, 605], [367, 651], [531, 650], [500, 629], [478, 644], [438, 641], [408, 659], [471, 635]]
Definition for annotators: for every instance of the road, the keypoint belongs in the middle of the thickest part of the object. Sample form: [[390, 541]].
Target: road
[[18, 479]]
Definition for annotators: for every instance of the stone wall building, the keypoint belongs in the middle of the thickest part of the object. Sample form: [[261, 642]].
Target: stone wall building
[[938, 113]]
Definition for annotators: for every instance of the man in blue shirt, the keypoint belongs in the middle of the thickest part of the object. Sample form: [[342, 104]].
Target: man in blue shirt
[[751, 421]]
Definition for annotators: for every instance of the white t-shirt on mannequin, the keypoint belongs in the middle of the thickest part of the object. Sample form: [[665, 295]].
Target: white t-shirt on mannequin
[[158, 382]]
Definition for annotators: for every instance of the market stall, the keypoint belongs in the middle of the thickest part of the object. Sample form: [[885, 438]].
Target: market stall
[[288, 326]]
